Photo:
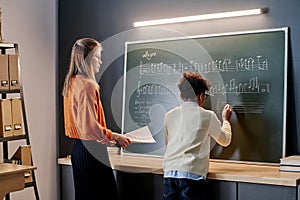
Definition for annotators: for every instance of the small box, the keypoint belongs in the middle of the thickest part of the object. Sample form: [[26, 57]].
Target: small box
[[14, 78], [16, 109], [4, 72], [24, 155], [5, 118]]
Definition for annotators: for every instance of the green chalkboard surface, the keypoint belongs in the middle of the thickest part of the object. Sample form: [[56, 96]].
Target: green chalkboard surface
[[246, 69]]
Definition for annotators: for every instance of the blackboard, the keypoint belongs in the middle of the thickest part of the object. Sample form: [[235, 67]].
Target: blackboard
[[246, 69]]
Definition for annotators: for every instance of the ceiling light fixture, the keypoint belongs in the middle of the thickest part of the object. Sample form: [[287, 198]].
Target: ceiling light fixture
[[201, 17]]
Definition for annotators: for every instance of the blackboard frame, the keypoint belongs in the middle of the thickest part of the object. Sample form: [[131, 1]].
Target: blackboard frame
[[283, 30]]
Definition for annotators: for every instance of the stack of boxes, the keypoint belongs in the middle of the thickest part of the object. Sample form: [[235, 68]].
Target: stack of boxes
[[9, 72], [10, 109]]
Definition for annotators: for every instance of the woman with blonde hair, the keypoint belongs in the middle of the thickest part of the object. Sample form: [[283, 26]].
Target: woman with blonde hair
[[85, 123]]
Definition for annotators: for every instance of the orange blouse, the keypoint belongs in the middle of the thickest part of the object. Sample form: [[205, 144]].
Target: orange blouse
[[83, 112]]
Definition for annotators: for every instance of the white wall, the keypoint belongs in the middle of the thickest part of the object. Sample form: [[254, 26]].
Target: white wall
[[32, 24]]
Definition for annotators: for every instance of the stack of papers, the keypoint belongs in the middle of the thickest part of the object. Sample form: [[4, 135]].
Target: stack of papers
[[141, 135], [290, 163]]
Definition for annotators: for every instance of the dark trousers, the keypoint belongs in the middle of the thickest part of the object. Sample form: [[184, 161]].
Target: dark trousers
[[93, 176], [184, 189]]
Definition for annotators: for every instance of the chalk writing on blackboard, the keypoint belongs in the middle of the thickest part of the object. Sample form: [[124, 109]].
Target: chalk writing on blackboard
[[250, 86], [148, 55], [220, 65], [145, 97]]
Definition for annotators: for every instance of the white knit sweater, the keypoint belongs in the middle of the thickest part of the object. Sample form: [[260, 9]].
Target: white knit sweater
[[188, 130]]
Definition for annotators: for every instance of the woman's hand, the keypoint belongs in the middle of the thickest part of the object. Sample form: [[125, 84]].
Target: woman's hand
[[121, 140]]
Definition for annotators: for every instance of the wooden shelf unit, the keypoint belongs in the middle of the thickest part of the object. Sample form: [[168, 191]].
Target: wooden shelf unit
[[25, 136]]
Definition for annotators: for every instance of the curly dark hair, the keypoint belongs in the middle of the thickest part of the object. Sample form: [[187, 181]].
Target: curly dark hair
[[192, 84]]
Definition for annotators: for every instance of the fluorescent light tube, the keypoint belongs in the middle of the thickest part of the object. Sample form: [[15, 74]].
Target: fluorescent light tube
[[201, 17]]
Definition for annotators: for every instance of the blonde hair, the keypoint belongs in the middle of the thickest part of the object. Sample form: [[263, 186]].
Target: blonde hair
[[80, 61]]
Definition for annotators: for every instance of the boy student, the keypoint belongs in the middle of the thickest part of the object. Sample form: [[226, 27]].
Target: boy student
[[188, 129]]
